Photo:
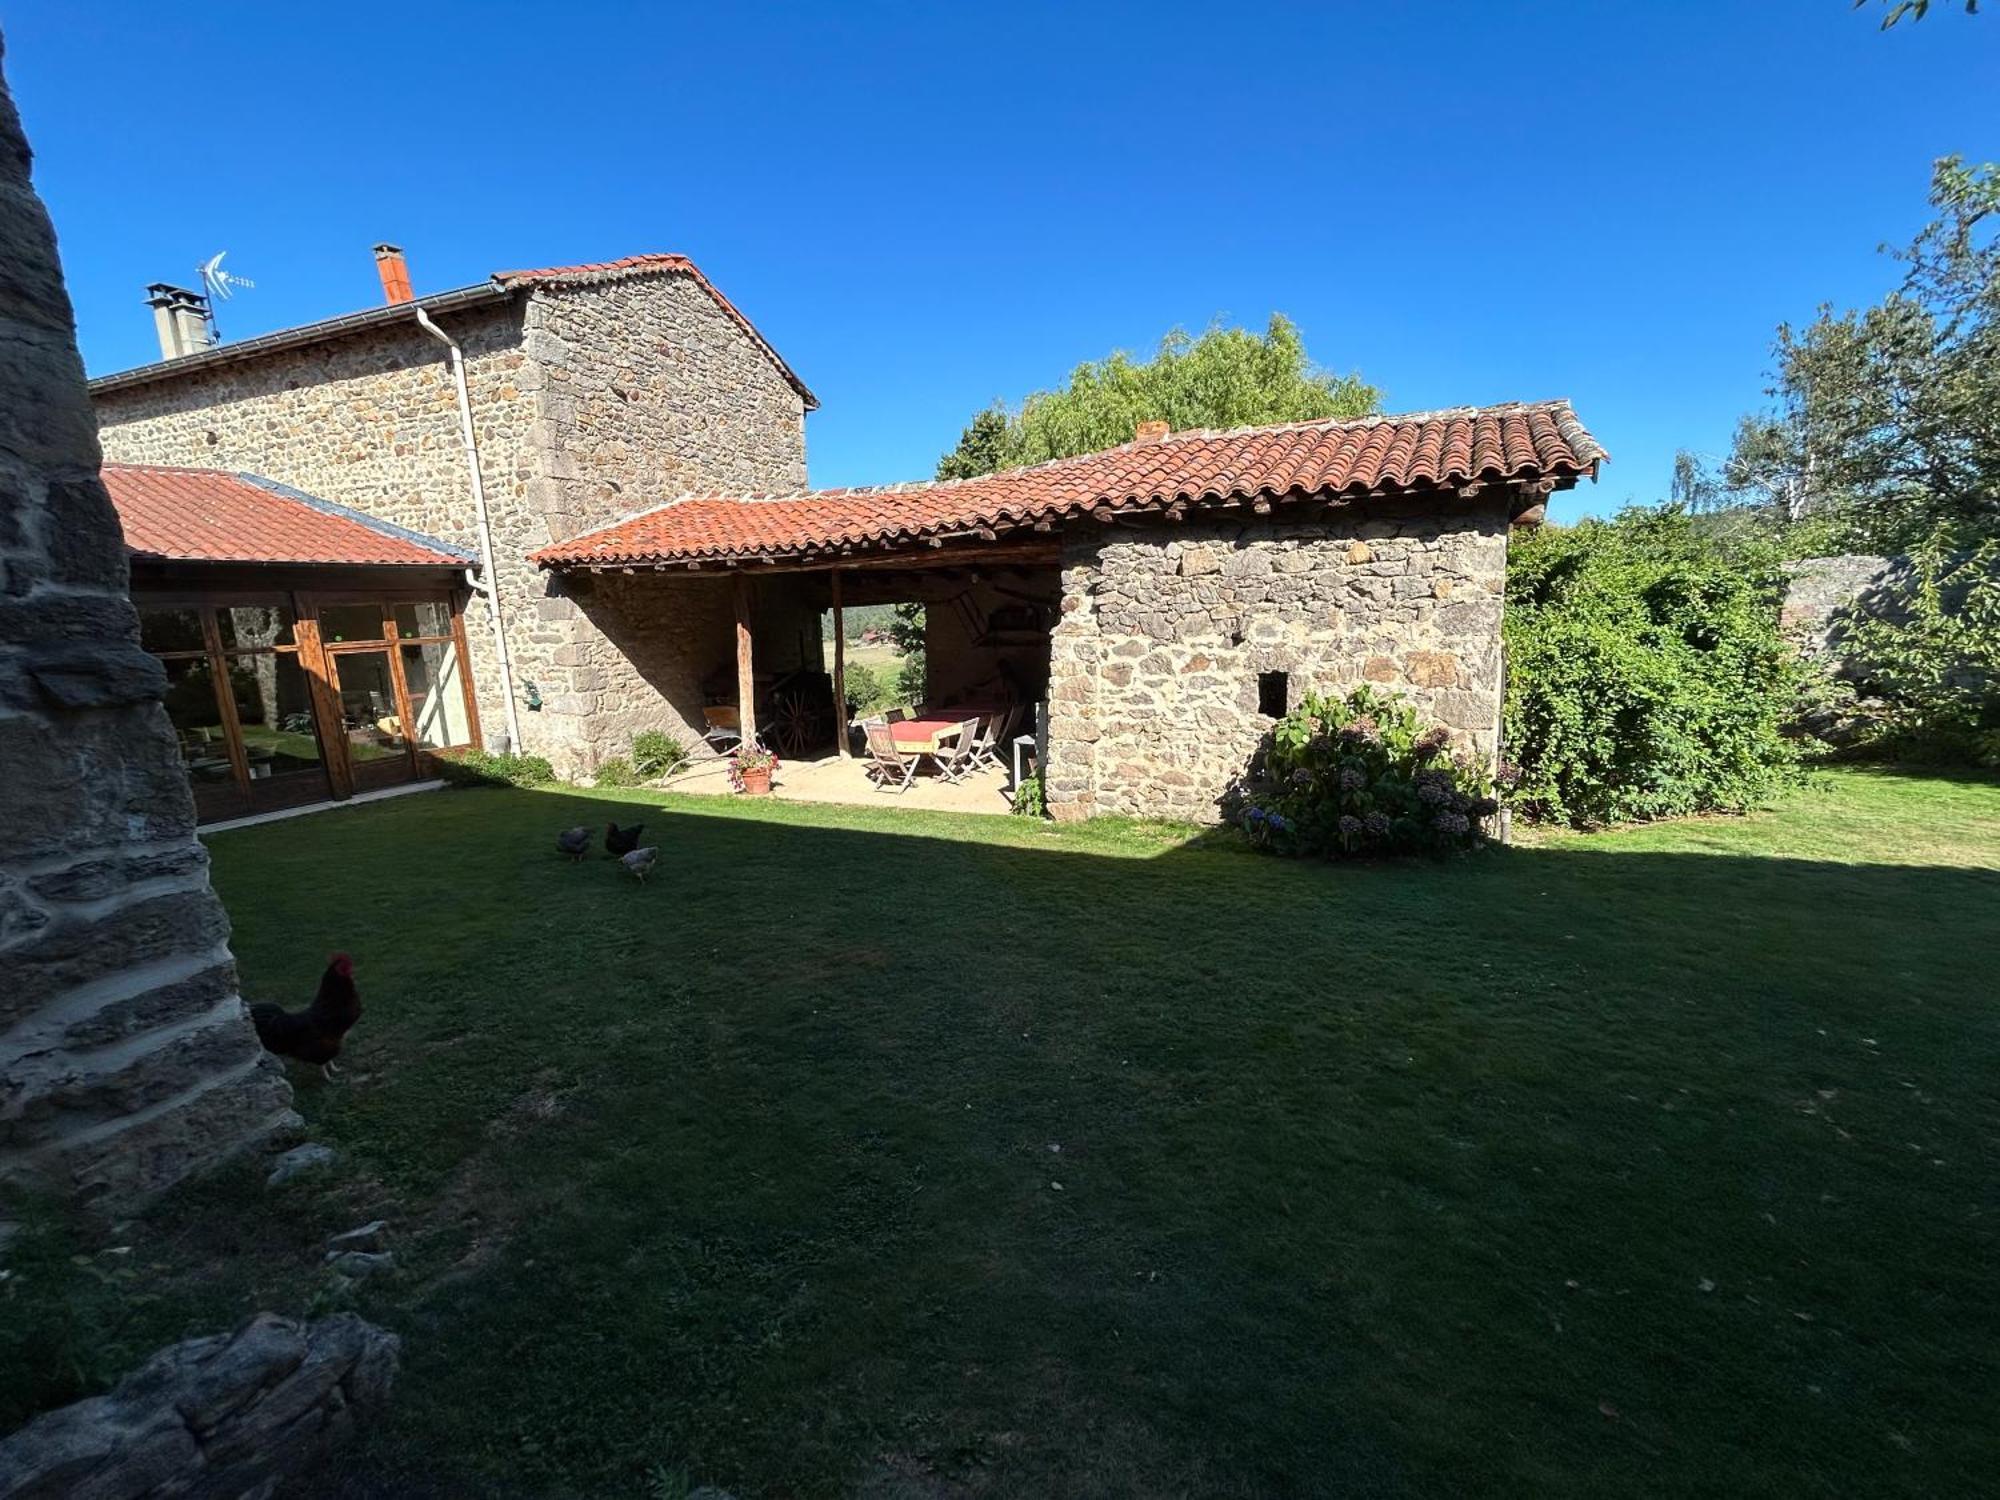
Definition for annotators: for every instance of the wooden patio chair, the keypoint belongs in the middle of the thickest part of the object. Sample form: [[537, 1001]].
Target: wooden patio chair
[[890, 767], [992, 741], [957, 760], [896, 715]]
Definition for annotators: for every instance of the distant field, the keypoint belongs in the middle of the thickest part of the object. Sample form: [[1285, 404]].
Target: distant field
[[881, 658]]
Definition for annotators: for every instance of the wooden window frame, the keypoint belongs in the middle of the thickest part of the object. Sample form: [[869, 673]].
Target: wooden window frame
[[317, 660]]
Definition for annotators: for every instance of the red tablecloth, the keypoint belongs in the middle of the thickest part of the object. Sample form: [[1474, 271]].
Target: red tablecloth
[[923, 734]]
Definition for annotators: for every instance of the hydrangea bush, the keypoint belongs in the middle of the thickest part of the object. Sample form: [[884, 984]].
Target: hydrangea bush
[[1363, 775]]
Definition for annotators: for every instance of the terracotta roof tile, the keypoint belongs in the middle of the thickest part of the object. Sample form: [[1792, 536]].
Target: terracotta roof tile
[[1371, 456], [207, 515]]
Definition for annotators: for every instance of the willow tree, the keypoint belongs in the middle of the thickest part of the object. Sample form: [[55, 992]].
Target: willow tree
[[1225, 377]]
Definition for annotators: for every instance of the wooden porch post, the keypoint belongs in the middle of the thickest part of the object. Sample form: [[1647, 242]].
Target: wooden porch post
[[746, 675], [319, 671], [839, 670]]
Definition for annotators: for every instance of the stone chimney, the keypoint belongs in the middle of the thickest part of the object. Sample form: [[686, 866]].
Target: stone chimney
[[180, 317], [395, 274], [1151, 432]]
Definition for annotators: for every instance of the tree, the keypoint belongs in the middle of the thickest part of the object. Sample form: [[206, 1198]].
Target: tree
[[1228, 377], [982, 447], [1916, 10], [1888, 419]]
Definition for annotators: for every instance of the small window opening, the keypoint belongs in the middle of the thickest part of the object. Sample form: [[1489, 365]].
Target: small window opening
[[1274, 693]]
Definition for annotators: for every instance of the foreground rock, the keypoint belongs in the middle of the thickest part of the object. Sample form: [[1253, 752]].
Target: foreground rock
[[299, 1160], [221, 1418]]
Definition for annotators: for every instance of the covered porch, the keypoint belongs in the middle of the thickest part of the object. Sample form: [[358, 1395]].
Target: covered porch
[[755, 650]]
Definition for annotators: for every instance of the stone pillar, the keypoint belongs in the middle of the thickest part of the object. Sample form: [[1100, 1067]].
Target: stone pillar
[[1069, 771], [127, 1059]]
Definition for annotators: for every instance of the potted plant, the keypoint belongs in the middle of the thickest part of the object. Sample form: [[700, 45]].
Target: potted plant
[[750, 770]]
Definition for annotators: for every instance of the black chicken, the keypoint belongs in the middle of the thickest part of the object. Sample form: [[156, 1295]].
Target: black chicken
[[619, 842], [313, 1035]]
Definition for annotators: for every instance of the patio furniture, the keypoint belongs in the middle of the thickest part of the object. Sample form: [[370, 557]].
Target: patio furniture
[[1021, 742], [725, 727], [958, 759], [985, 747], [890, 766], [896, 715]]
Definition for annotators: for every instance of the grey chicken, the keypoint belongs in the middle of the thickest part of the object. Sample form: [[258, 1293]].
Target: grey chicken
[[575, 842], [641, 861]]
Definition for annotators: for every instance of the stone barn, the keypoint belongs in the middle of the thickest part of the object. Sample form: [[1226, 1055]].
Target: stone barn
[[1167, 599]]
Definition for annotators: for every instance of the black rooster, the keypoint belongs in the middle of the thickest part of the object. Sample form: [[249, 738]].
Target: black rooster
[[619, 842], [313, 1035]]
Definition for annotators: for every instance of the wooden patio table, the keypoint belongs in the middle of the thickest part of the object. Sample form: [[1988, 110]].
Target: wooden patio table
[[925, 736]]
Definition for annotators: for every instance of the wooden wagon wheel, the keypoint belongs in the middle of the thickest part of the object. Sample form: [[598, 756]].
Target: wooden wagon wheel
[[795, 726]]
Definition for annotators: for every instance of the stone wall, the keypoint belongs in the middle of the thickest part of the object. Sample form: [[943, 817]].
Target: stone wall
[[1823, 588], [590, 402], [649, 391], [221, 1418], [127, 1059], [372, 422], [1153, 693]]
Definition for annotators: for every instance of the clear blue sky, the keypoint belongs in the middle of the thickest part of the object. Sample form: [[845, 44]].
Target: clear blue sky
[[929, 207]]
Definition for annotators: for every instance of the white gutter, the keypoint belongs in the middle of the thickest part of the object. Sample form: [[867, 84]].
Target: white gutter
[[492, 587]]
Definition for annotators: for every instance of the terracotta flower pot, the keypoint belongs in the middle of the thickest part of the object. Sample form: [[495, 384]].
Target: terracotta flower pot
[[757, 781]]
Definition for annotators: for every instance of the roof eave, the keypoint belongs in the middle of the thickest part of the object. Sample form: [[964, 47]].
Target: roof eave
[[483, 294]]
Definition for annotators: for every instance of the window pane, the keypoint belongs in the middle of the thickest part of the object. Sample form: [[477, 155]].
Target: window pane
[[197, 720], [437, 695], [274, 708], [170, 629], [426, 617], [247, 625], [368, 705], [350, 622]]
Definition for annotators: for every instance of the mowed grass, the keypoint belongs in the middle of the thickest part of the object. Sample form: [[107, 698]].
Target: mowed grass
[[870, 1152]]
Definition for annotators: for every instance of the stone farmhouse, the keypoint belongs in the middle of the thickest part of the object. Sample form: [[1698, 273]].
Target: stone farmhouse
[[591, 391], [638, 452]]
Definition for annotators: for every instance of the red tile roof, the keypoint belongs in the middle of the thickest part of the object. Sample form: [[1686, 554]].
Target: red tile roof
[[592, 272], [1373, 456], [206, 515]]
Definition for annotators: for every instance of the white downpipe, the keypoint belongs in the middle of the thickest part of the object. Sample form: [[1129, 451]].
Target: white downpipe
[[492, 588]]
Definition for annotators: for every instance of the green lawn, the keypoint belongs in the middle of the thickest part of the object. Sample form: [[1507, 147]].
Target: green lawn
[[868, 1151]]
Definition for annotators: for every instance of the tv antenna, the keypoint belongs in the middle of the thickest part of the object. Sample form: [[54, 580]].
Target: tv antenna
[[221, 286]]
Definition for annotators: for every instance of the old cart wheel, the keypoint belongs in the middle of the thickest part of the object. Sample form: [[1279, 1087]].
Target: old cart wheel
[[796, 726]]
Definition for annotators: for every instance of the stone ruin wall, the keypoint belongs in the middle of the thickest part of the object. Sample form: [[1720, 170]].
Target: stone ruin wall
[[127, 1058], [589, 402], [1153, 694]]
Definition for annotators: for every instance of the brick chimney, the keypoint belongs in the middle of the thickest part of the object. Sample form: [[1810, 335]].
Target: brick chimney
[[395, 273], [180, 317], [1151, 432]]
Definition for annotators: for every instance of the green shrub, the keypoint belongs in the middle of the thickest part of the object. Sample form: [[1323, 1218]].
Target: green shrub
[[1646, 674], [1029, 799], [1362, 775], [657, 753], [867, 689], [912, 679], [483, 768], [1929, 651], [616, 771]]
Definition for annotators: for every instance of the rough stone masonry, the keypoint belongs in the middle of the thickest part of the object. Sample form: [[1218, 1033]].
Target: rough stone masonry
[[1155, 665], [127, 1058]]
